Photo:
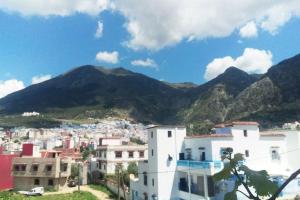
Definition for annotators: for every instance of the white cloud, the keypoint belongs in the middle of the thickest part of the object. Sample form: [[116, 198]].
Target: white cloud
[[155, 27], [108, 57], [145, 63], [249, 30], [54, 7], [155, 24], [10, 86], [252, 61], [40, 78], [99, 31]]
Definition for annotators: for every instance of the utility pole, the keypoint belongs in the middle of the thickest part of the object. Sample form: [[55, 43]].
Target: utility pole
[[78, 165], [118, 168]]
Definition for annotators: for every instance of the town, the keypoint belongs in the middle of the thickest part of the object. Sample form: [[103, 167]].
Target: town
[[149, 100], [169, 163]]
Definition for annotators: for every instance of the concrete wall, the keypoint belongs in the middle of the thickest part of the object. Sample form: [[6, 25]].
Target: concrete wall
[[27, 183], [161, 170], [6, 180]]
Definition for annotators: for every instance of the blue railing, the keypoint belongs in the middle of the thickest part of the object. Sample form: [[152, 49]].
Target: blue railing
[[199, 164]]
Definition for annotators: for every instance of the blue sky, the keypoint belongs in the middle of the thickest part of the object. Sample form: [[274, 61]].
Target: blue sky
[[44, 41]]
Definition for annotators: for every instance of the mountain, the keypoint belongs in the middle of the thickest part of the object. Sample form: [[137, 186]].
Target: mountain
[[274, 98], [88, 91]]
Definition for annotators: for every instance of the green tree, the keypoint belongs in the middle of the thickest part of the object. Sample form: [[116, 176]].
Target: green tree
[[74, 171], [260, 181]]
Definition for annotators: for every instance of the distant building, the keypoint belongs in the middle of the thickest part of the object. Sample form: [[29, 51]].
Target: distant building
[[30, 114], [111, 152], [292, 126]]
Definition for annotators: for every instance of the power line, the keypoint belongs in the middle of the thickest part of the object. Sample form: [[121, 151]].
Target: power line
[[192, 169]]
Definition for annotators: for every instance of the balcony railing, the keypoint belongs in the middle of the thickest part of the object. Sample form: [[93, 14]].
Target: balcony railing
[[200, 164]]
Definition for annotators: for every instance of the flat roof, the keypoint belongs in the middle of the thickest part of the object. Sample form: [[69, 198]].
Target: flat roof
[[209, 136], [272, 134], [239, 123], [166, 126]]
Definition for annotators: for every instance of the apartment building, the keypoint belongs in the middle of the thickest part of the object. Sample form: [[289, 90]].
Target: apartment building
[[50, 173], [112, 152], [182, 167], [37, 168]]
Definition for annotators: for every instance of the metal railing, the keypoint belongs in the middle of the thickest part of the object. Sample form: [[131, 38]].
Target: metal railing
[[200, 164]]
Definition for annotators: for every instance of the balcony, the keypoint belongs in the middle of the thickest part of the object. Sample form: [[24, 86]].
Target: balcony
[[200, 164], [210, 167], [195, 192]]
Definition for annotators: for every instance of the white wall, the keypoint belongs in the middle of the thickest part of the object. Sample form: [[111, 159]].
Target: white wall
[[161, 170]]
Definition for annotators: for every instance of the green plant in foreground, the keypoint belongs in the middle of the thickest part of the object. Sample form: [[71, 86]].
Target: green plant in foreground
[[259, 181]]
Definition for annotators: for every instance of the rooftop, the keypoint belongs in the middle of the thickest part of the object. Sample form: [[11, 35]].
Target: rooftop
[[238, 123], [166, 126], [209, 136], [272, 134]]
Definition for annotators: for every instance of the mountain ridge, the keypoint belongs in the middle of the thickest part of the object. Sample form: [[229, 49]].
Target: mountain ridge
[[91, 91]]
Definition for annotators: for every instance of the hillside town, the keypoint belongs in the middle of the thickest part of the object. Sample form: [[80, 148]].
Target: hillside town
[[170, 163], [149, 100]]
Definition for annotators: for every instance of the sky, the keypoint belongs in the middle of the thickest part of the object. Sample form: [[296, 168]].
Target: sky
[[170, 40]]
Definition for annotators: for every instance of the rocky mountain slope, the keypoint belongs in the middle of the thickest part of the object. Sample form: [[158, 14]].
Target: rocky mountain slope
[[89, 91]]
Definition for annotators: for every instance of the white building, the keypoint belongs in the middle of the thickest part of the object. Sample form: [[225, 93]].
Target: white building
[[111, 152], [181, 167]]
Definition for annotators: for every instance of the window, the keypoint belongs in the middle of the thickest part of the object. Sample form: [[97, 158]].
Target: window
[[145, 178], [169, 133], [35, 167], [48, 168], [141, 154], [211, 186], [100, 165], [23, 167], [188, 154], [275, 153], [151, 134], [104, 166], [153, 182], [36, 181], [64, 167], [50, 182], [245, 133], [145, 196], [118, 154], [130, 154], [152, 152], [17, 168], [104, 154], [100, 154], [247, 153]]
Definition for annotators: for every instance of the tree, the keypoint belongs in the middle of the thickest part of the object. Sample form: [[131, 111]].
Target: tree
[[132, 168], [74, 171], [258, 180]]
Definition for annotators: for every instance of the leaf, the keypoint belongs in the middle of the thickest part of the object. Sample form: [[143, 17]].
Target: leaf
[[260, 181], [223, 174], [230, 195], [237, 159]]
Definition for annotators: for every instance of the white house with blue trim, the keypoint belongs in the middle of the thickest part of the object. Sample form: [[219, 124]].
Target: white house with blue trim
[[181, 167]]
